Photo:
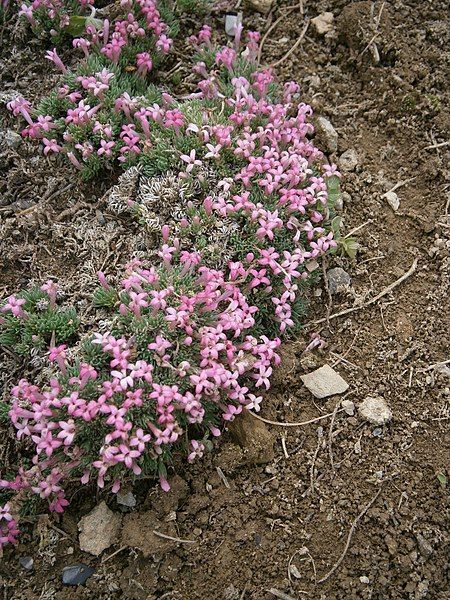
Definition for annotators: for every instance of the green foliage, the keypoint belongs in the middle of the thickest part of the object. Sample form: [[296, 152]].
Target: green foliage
[[346, 245], [39, 326]]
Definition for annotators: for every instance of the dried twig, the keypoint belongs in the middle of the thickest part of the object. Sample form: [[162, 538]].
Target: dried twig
[[398, 185], [349, 538], [383, 293], [283, 445], [272, 27], [294, 47], [269, 422], [221, 474], [434, 146], [173, 539], [113, 554], [357, 228]]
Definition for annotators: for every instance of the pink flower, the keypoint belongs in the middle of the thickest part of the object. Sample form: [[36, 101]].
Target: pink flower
[[14, 305], [51, 146]]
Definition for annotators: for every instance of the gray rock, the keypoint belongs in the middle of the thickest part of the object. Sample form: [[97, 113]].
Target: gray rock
[[262, 6], [324, 382], [26, 562], [323, 23], [8, 96], [425, 548], [338, 280], [393, 200], [348, 161], [126, 498], [375, 410], [76, 574], [99, 529], [10, 138], [326, 134]]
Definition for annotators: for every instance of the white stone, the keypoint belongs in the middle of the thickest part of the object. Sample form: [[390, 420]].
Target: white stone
[[324, 382], [323, 23], [348, 161], [98, 529], [327, 134], [393, 200], [231, 22], [375, 410]]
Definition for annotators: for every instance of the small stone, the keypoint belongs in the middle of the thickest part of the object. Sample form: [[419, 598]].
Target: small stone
[[324, 382], [393, 200], [339, 204], [338, 280], [375, 410], [348, 161], [425, 548], [326, 134], [98, 529], [126, 498], [262, 6], [231, 22], [26, 562], [349, 407], [346, 198], [76, 574], [10, 138], [391, 544], [364, 579], [254, 438], [377, 432], [323, 23]]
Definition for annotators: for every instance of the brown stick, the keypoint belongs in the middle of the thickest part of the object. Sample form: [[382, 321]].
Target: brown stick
[[272, 27], [294, 47]]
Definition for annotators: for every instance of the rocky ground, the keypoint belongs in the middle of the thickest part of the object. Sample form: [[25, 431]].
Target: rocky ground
[[354, 505]]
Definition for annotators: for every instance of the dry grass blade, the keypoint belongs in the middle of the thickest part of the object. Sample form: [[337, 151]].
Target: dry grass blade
[[294, 47], [299, 424], [173, 539]]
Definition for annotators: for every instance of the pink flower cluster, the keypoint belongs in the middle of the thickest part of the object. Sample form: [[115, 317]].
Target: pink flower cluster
[[8, 526], [201, 365], [58, 12]]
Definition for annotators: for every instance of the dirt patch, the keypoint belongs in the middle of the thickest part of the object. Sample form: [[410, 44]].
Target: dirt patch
[[284, 524]]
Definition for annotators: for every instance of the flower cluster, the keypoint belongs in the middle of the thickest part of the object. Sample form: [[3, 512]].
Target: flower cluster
[[179, 359], [55, 16], [8, 526], [191, 341]]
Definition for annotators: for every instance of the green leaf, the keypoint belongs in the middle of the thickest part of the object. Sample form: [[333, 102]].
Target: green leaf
[[77, 24], [441, 477]]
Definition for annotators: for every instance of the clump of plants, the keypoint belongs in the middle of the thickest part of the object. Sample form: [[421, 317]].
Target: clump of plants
[[31, 320], [193, 334]]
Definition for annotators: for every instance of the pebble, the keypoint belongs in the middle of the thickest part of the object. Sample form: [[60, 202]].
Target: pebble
[[262, 6], [393, 200], [375, 410], [323, 23], [10, 138], [326, 134], [231, 22], [349, 407], [126, 498], [76, 574], [425, 548], [98, 529], [338, 280], [26, 562], [324, 382], [377, 432], [348, 161]]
